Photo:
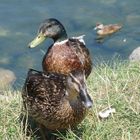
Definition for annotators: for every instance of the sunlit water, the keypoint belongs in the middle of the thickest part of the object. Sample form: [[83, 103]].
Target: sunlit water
[[19, 21]]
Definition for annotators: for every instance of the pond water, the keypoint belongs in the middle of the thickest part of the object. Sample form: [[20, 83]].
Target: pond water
[[19, 22]]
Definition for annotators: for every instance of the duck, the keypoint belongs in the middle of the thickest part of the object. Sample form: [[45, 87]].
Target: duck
[[105, 30], [56, 101], [65, 54]]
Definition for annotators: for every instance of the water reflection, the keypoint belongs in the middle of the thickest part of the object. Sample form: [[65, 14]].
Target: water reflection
[[20, 21]]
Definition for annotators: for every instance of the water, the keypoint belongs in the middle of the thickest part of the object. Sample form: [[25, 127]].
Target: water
[[19, 21]]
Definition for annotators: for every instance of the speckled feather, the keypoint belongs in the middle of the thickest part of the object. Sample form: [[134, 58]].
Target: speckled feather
[[44, 98]]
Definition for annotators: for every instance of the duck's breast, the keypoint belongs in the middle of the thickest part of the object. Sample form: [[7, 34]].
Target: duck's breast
[[67, 56]]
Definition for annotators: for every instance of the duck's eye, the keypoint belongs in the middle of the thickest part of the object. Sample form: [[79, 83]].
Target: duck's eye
[[49, 26]]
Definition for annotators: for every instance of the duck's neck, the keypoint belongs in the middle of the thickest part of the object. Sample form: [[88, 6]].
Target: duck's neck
[[61, 37]]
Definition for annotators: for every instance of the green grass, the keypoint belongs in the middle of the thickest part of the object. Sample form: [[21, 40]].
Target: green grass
[[117, 85]]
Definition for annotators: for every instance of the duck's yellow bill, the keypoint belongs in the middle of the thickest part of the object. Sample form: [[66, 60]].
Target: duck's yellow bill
[[38, 40]]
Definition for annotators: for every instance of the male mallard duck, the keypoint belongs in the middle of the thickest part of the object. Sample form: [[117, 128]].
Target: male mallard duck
[[56, 101], [105, 30], [65, 54]]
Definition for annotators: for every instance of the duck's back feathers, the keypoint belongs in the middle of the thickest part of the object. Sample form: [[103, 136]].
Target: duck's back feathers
[[45, 99], [41, 89], [37, 82]]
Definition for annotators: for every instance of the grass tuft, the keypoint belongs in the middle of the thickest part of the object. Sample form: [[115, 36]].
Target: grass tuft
[[116, 85]]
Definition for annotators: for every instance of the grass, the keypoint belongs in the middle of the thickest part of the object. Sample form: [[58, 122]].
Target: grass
[[117, 86]]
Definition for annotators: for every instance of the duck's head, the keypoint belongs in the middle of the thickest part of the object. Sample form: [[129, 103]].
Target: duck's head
[[50, 28], [99, 26], [76, 88]]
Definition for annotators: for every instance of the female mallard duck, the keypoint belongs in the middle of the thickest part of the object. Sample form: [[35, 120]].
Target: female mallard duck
[[105, 30], [64, 55], [56, 101]]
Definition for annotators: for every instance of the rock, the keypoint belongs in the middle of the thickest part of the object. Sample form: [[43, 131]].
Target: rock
[[7, 78], [135, 55]]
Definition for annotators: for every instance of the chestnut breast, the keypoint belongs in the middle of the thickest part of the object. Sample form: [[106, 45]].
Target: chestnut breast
[[67, 56]]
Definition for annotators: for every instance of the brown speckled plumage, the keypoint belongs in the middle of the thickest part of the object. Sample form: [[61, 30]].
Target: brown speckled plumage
[[46, 100]]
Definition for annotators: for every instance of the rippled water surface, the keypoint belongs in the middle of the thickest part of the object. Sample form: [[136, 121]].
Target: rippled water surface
[[19, 21]]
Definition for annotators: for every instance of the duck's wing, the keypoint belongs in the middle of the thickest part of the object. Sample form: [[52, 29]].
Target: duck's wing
[[33, 83], [44, 86], [81, 51]]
